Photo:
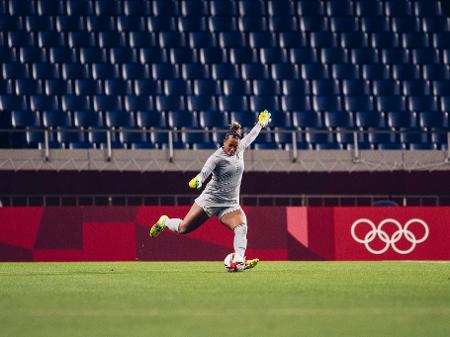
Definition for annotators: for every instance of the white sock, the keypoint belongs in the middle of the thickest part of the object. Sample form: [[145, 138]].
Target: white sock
[[240, 239], [173, 224]]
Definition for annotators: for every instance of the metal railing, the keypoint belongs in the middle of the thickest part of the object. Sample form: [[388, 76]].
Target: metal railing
[[44, 138], [245, 199]]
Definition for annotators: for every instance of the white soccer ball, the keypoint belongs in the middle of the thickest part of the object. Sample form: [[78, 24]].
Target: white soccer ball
[[234, 262]]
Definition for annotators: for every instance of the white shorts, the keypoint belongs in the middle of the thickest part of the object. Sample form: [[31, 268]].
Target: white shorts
[[215, 209]]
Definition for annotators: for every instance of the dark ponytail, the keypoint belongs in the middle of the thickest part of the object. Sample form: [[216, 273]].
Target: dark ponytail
[[235, 130]]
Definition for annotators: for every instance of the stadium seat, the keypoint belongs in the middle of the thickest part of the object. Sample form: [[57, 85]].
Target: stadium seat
[[160, 23], [265, 87], [66, 23], [122, 55], [138, 103], [54, 119], [384, 40], [344, 71], [176, 87], [358, 103], [414, 40], [104, 71], [405, 24], [416, 88], [213, 119], [303, 55], [295, 103], [335, 119], [286, 71], [333, 55], [222, 8], [247, 119], [371, 23], [147, 87], [12, 102], [242, 55], [314, 71], [369, 119], [160, 71], [21, 119], [45, 71], [15, 71], [355, 87], [117, 119], [236, 87], [343, 24], [325, 87], [78, 39], [295, 87], [197, 103], [31, 55], [397, 8], [427, 8], [87, 87], [164, 8], [201, 40], [179, 119], [250, 71], [104, 103], [386, 87], [205, 87], [141, 40], [42, 102], [222, 24], [434, 120], [191, 8], [231, 40], [151, 119], [252, 23], [61, 55], [233, 103], [27, 87], [363, 56], [165, 103], [322, 40], [435, 72], [391, 103], [136, 8], [211, 55], [401, 119], [433, 24], [73, 71], [182, 55], [422, 104], [354, 40], [72, 103], [224, 71], [260, 103], [306, 119], [100, 23], [326, 103], [296, 40], [152, 55], [282, 23], [117, 87], [440, 88], [375, 72], [195, 71], [57, 87]]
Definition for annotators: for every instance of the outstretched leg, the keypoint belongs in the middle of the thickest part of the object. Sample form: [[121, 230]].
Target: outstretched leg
[[193, 219]]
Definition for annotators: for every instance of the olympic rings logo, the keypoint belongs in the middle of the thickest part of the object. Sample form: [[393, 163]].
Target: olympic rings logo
[[390, 241]]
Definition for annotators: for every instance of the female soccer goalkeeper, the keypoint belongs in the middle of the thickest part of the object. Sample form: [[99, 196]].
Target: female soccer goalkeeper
[[221, 195]]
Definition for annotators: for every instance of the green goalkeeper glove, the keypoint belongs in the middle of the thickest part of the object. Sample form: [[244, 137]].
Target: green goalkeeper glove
[[264, 118], [195, 183]]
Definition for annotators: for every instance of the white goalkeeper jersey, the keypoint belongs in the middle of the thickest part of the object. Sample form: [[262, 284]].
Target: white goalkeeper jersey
[[224, 187]]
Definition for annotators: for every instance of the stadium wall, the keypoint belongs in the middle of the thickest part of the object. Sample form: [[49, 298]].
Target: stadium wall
[[276, 233]]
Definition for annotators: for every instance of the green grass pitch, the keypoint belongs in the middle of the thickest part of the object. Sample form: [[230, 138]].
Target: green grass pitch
[[183, 299]]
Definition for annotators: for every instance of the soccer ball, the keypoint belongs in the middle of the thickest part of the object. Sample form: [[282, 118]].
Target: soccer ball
[[234, 262]]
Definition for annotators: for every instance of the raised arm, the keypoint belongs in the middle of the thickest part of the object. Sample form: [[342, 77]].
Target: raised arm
[[263, 121]]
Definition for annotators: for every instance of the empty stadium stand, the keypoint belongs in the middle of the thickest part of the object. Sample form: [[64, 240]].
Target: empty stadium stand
[[139, 68]]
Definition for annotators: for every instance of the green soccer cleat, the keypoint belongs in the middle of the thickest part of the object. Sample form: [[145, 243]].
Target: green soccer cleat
[[249, 264], [159, 226]]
